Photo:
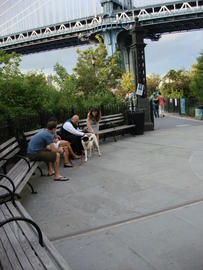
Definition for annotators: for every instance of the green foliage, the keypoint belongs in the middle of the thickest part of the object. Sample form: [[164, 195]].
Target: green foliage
[[176, 84], [95, 71], [196, 84], [22, 94], [94, 76], [153, 82], [9, 65], [126, 84]]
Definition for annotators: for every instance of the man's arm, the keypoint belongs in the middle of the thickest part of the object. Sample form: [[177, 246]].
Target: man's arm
[[69, 127]]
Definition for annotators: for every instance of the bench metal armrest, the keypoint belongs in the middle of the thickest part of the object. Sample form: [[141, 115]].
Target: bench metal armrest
[[26, 160], [10, 192], [26, 220], [9, 179]]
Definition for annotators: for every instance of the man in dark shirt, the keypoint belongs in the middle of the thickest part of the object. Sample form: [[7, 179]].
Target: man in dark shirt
[[70, 132]]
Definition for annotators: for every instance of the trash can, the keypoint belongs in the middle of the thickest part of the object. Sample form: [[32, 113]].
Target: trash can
[[136, 118], [199, 113]]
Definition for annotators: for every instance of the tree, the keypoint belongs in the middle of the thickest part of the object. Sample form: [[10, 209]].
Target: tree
[[175, 84], [153, 82], [21, 94], [196, 84], [126, 84], [95, 71], [9, 64]]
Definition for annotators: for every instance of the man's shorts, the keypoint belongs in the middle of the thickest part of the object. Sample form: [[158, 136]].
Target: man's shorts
[[43, 155]]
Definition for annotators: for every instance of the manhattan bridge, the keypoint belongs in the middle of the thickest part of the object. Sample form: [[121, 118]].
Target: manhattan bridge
[[41, 25]]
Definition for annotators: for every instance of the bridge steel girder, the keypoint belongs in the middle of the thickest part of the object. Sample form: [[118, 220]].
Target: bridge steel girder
[[155, 20]]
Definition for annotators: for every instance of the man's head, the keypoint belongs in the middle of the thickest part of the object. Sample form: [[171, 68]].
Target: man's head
[[75, 119], [51, 126]]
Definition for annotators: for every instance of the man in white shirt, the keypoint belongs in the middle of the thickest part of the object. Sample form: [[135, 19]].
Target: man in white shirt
[[71, 132]]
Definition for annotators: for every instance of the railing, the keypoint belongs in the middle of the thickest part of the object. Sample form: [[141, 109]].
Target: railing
[[15, 126], [182, 106]]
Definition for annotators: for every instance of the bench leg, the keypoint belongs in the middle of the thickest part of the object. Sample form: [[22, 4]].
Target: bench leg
[[32, 189], [40, 171], [114, 137]]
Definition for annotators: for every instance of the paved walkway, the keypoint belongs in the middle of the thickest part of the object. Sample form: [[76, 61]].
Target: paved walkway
[[138, 207]]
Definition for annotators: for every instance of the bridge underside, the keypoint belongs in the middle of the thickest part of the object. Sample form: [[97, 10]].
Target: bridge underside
[[47, 45], [152, 30]]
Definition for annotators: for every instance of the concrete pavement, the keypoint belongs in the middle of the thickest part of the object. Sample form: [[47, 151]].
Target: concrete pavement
[[137, 207]]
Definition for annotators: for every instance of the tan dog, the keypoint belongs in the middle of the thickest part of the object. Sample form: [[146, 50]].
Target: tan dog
[[88, 142]]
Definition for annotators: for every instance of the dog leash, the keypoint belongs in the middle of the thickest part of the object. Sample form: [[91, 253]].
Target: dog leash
[[81, 160]]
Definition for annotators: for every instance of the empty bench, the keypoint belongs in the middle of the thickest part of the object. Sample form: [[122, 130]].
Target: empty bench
[[23, 246], [113, 125], [20, 169]]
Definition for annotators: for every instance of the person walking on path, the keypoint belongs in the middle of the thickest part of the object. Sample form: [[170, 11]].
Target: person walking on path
[[155, 102], [162, 102]]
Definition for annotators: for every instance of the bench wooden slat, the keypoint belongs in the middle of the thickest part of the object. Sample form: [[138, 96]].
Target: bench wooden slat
[[12, 245], [113, 122], [22, 183], [11, 155], [9, 149], [17, 173], [42, 258], [7, 251], [32, 132], [111, 115], [25, 240], [10, 210], [109, 130], [7, 143], [4, 262], [112, 119]]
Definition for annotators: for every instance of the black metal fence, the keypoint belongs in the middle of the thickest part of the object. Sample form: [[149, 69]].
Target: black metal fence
[[182, 106], [15, 126]]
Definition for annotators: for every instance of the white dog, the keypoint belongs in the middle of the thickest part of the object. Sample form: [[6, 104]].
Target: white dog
[[88, 142]]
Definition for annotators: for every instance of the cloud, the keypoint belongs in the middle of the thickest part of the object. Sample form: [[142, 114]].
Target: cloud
[[173, 51]]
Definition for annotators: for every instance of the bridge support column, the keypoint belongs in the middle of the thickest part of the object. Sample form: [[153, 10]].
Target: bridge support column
[[137, 56], [110, 41]]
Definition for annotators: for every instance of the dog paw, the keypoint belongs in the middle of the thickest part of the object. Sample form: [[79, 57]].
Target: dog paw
[[100, 154]]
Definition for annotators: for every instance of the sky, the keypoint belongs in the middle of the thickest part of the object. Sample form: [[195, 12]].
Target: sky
[[171, 51]]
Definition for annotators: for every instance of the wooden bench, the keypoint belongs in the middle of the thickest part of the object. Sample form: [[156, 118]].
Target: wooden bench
[[109, 125], [22, 244], [113, 125], [20, 169]]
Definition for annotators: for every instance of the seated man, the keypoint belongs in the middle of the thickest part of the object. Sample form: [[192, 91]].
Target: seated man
[[41, 148], [70, 132], [67, 149]]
